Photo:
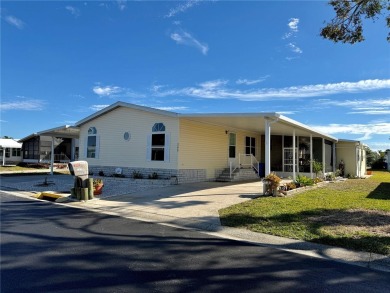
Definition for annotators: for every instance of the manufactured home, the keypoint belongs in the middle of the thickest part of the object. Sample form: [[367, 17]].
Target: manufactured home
[[128, 138]]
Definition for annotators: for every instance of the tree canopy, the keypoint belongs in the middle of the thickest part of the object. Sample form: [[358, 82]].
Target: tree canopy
[[347, 26]]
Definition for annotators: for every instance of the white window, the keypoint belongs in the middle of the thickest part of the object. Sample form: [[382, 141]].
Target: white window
[[16, 152], [250, 145], [158, 144], [92, 143], [232, 145]]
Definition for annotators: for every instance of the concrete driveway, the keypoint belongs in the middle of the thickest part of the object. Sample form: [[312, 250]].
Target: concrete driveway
[[194, 205], [191, 205]]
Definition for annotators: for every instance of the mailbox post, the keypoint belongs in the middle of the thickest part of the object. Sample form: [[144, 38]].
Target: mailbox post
[[79, 169]]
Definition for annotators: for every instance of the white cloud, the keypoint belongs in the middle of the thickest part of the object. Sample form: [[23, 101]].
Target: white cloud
[[379, 145], [73, 10], [212, 84], [365, 107], [218, 90], [106, 90], [12, 20], [250, 82], [184, 38], [293, 28], [115, 92], [294, 48], [23, 104], [173, 108], [366, 130], [181, 8], [293, 24], [121, 4], [98, 107]]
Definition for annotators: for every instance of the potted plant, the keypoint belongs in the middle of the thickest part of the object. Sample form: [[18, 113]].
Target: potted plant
[[97, 186], [271, 183]]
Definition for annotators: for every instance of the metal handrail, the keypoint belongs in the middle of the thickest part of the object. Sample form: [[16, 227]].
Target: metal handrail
[[57, 158], [253, 161]]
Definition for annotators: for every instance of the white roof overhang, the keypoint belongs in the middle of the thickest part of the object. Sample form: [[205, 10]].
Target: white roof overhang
[[65, 131], [255, 122], [10, 143]]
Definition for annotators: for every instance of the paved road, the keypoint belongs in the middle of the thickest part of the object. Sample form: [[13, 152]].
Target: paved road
[[52, 248]]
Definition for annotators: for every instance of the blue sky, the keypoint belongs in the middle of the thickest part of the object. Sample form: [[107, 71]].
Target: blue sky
[[63, 60]]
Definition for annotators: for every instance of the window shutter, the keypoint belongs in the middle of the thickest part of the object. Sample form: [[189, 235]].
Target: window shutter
[[167, 148], [149, 148], [97, 150]]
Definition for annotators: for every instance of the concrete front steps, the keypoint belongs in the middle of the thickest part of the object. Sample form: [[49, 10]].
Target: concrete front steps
[[238, 175]]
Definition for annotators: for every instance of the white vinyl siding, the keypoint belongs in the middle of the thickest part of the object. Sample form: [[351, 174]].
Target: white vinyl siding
[[135, 152]]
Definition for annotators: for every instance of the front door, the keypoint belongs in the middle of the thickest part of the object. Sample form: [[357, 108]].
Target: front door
[[232, 150]]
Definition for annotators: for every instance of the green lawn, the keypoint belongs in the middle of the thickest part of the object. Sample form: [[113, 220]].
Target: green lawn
[[353, 214]]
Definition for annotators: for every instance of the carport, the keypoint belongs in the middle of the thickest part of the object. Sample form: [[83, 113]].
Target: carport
[[65, 131]]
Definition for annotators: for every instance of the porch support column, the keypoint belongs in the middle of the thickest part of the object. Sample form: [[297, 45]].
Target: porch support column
[[267, 147], [294, 157], [4, 149], [52, 156], [311, 156], [323, 156], [72, 149]]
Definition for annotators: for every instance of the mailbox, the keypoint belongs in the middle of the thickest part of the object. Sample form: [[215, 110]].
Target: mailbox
[[78, 168]]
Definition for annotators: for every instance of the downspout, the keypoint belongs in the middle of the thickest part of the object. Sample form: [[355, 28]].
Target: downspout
[[4, 149]]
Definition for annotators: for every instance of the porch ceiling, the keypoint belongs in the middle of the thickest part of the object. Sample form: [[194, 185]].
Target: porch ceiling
[[255, 122]]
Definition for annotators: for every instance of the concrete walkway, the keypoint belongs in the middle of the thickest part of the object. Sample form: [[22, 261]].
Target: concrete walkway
[[195, 206]]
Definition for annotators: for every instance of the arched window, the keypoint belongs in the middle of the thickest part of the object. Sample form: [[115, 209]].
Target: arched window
[[92, 131], [92, 143], [158, 127], [158, 144]]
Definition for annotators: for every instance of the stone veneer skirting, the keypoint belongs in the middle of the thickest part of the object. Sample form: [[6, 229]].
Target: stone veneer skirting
[[176, 176]]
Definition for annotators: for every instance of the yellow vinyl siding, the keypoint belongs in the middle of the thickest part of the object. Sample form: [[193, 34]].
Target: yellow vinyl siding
[[114, 150], [205, 146]]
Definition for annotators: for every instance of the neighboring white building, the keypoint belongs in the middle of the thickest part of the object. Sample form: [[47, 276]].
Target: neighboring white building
[[200, 147], [10, 151], [353, 155]]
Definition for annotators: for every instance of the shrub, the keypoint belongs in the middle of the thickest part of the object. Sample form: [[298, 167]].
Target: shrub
[[317, 167], [101, 173], [304, 181], [330, 177], [154, 175], [290, 185], [137, 175]]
